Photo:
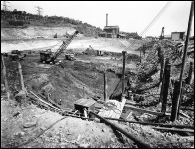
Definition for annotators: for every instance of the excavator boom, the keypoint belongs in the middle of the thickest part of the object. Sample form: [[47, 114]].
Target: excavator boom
[[49, 58]]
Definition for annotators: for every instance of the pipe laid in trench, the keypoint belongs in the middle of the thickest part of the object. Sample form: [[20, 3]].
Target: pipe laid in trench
[[148, 123], [137, 141]]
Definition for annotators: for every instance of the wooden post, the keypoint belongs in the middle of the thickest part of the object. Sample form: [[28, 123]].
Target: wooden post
[[21, 76], [105, 86], [5, 78], [162, 63], [22, 81], [174, 100], [162, 85], [83, 92], [140, 56], [123, 75], [166, 85], [184, 55], [144, 50], [189, 78]]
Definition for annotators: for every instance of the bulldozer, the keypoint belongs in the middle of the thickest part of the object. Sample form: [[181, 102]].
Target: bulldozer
[[50, 58]]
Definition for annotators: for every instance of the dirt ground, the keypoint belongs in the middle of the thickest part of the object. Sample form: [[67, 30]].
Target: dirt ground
[[73, 132]]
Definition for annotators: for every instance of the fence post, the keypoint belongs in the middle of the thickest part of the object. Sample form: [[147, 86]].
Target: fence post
[[167, 71]]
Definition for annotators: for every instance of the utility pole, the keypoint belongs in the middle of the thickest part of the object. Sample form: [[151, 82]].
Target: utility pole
[[183, 61], [5, 6]]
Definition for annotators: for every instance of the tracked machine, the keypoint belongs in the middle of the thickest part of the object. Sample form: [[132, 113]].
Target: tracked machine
[[50, 58], [16, 55]]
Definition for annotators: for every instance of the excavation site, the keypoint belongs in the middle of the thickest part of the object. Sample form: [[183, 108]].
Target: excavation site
[[68, 84]]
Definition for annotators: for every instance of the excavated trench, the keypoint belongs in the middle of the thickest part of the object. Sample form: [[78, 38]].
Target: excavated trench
[[67, 80]]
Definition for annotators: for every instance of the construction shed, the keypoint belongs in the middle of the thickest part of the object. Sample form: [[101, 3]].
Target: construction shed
[[84, 103], [177, 35]]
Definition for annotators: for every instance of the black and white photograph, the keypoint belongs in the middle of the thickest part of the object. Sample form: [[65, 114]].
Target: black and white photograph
[[97, 74]]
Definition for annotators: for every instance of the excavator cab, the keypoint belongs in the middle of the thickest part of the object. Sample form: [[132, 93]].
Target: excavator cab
[[45, 56]]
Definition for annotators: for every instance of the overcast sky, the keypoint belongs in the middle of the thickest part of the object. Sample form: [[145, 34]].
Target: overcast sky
[[130, 16]]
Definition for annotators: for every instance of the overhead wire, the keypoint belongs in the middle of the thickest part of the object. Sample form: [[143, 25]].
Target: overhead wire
[[152, 22], [156, 18]]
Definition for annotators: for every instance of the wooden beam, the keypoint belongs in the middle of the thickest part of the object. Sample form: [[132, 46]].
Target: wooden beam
[[43, 101], [174, 129], [167, 72], [162, 63], [123, 74], [143, 110], [174, 109]]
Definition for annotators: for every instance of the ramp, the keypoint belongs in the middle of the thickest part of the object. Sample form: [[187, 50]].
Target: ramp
[[112, 111]]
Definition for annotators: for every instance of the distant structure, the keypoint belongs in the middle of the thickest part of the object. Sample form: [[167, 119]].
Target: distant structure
[[177, 35], [167, 37], [109, 31], [150, 38]]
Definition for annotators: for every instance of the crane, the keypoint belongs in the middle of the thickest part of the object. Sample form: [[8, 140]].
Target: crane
[[48, 57]]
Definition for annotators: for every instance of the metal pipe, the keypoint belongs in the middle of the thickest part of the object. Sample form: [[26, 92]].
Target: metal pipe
[[114, 126], [148, 123]]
